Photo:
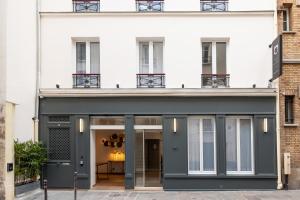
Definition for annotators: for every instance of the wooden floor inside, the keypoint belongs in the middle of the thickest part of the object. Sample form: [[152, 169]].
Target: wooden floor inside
[[110, 182]]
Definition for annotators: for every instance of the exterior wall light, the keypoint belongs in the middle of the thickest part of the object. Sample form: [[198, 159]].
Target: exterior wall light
[[174, 125], [81, 125], [265, 125]]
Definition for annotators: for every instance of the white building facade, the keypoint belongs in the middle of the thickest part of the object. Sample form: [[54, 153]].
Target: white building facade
[[190, 78]]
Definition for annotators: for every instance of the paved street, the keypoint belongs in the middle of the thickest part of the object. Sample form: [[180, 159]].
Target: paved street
[[158, 195]]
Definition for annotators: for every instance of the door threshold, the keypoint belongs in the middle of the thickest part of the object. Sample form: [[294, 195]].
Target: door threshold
[[149, 189]]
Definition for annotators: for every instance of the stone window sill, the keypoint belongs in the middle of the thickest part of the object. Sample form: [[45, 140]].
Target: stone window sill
[[291, 125], [289, 32]]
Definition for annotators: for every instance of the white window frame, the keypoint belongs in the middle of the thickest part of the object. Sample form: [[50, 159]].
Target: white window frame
[[214, 54], [151, 66], [201, 171], [238, 134], [87, 54], [287, 10]]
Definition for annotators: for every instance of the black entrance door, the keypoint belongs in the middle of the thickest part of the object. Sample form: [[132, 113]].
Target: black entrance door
[[59, 170]]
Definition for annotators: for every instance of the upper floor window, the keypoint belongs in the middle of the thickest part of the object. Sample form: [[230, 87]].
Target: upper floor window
[[87, 65], [146, 6], [286, 19], [213, 5], [151, 65], [86, 5], [289, 110], [214, 64]]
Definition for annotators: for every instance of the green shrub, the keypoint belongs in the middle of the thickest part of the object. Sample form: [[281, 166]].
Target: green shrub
[[29, 158]]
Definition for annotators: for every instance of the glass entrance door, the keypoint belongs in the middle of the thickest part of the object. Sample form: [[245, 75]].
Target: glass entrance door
[[148, 158]]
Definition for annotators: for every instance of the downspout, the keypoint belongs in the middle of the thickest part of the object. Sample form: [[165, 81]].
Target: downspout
[[277, 84], [279, 179], [38, 72]]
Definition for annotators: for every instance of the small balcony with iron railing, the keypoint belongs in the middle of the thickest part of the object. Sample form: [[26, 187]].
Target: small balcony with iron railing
[[86, 80], [86, 5], [215, 80], [214, 5], [149, 6], [150, 80]]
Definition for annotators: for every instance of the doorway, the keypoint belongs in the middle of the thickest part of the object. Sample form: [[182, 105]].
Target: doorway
[[148, 158]]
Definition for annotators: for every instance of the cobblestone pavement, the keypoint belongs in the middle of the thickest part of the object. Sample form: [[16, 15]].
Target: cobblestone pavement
[[158, 195]]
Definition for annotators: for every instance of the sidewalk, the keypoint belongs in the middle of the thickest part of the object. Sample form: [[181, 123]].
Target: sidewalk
[[160, 195]]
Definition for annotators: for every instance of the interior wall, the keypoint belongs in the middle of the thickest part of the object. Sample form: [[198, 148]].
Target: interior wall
[[102, 152]]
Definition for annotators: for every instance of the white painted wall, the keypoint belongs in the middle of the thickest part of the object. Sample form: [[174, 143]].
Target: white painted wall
[[249, 57], [169, 5], [21, 64], [2, 51]]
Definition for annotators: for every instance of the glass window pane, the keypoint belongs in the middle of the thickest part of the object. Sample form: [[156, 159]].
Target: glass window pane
[[157, 57], [208, 145], [231, 145], [206, 58], [144, 58], [148, 120], [80, 57], [95, 58], [107, 120], [193, 144], [221, 57], [245, 137]]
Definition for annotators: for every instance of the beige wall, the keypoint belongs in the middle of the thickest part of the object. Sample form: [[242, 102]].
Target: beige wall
[[288, 85], [9, 149]]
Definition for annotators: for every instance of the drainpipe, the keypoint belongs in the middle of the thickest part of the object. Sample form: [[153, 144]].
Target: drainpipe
[[38, 73], [279, 179]]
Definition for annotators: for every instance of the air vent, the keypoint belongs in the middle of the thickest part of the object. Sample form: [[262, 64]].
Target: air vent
[[59, 118]]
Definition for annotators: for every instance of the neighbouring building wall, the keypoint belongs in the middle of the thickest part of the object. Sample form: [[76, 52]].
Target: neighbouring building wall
[[2, 94], [289, 84], [9, 150], [21, 64]]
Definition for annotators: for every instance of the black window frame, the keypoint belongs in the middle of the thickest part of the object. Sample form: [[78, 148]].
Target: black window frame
[[289, 109]]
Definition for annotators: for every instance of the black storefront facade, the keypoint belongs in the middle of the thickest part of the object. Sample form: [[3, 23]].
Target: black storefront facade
[[61, 115]]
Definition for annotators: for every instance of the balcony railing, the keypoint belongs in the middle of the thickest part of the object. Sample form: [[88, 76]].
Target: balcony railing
[[86, 80], [150, 6], [214, 5], [150, 80], [86, 5], [215, 80]]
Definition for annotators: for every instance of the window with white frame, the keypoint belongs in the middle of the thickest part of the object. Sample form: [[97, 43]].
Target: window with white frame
[[214, 57], [151, 57], [201, 145], [87, 58], [286, 19], [239, 145]]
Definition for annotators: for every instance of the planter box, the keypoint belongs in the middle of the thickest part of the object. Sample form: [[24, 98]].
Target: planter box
[[27, 187]]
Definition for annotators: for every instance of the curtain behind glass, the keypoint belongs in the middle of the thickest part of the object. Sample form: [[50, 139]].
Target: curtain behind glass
[[221, 57], [194, 144], [206, 58], [144, 57], [208, 145], [95, 57], [158, 57], [80, 57], [245, 137], [231, 145]]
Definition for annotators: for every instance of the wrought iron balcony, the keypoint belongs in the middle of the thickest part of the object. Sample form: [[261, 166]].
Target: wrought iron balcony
[[150, 80], [150, 6], [215, 80], [214, 5], [86, 5], [86, 80]]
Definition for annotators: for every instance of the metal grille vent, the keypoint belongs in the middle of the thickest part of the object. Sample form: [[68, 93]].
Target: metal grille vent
[[59, 118], [59, 144]]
